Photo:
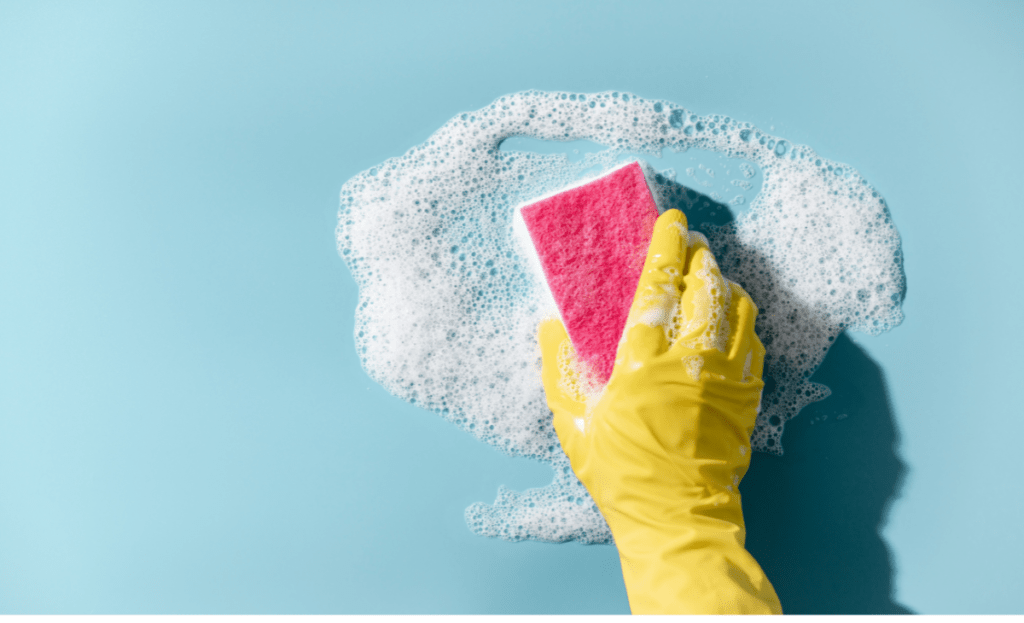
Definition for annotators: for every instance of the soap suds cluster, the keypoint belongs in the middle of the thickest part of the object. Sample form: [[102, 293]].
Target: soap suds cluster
[[449, 304]]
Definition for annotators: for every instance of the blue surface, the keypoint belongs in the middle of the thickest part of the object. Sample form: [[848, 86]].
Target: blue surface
[[184, 426]]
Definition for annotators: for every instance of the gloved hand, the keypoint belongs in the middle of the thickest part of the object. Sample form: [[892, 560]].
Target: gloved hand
[[663, 446]]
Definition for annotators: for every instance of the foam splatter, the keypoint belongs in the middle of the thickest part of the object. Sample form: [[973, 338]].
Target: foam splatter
[[449, 301]]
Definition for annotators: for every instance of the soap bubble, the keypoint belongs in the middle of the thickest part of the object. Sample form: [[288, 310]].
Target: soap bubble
[[676, 118]]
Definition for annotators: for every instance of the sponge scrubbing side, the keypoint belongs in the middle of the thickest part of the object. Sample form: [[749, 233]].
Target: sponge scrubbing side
[[591, 241]]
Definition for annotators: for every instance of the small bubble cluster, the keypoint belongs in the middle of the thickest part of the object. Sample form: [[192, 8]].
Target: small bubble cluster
[[449, 301]]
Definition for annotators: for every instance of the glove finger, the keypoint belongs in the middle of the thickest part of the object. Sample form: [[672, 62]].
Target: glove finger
[[657, 293], [702, 322], [744, 350]]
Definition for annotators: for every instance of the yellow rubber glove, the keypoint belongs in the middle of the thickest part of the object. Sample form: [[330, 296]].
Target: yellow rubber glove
[[664, 445]]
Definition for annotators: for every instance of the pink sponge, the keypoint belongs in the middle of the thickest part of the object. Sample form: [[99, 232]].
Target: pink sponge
[[592, 241]]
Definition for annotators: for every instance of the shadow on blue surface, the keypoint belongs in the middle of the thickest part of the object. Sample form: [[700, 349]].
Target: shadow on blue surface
[[814, 515]]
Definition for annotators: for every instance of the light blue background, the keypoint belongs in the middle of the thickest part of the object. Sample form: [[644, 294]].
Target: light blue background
[[184, 426]]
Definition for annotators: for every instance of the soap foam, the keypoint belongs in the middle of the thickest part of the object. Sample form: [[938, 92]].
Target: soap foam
[[449, 302]]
